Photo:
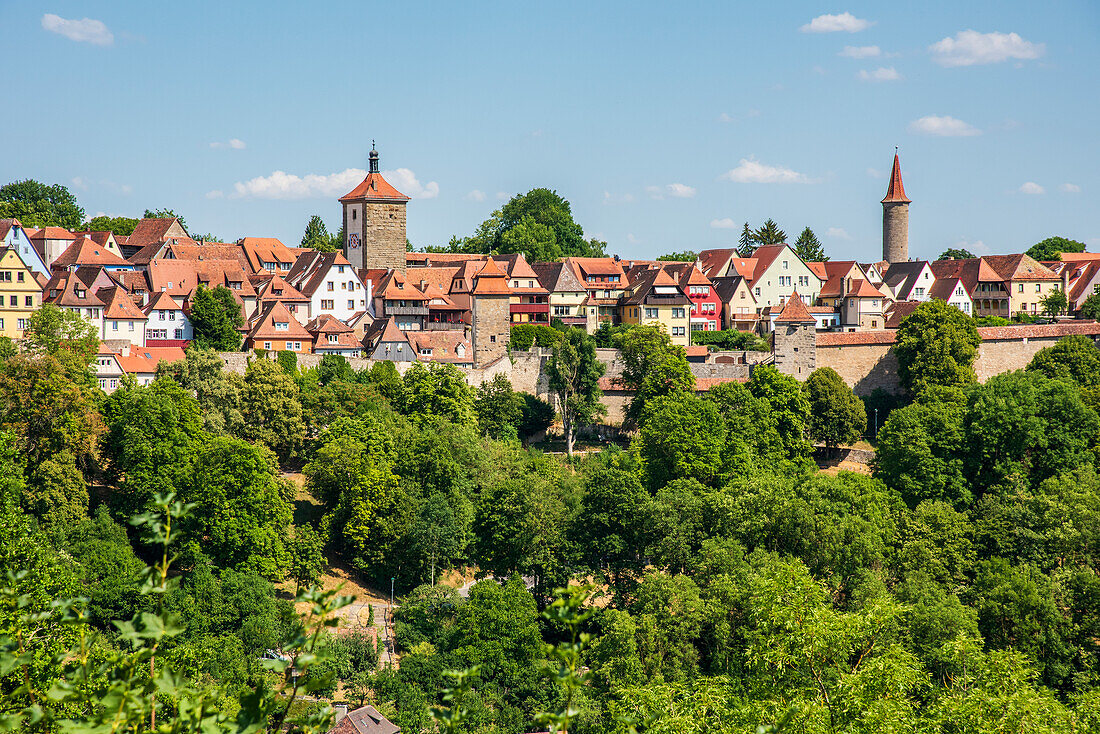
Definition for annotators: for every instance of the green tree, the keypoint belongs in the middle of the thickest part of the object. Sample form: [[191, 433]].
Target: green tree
[[936, 345], [218, 391], [1055, 303], [307, 556], [955, 253], [150, 443], [836, 415], [40, 205], [165, 214], [316, 236], [245, 513], [789, 406], [652, 366], [216, 318], [1073, 359], [437, 535], [538, 224], [808, 247], [769, 234], [119, 226], [62, 334], [688, 256], [610, 527], [1090, 308], [536, 416], [271, 408], [440, 390], [681, 436], [747, 244], [574, 375], [1052, 248], [499, 408]]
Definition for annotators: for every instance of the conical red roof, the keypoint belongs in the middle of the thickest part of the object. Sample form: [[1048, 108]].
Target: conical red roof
[[896, 192], [374, 187], [795, 312]]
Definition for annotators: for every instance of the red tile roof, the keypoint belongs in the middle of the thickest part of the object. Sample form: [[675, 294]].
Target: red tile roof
[[896, 192], [263, 328], [163, 302], [795, 312], [120, 305], [374, 187], [847, 338], [711, 262], [149, 231], [259, 250], [490, 280], [144, 360], [50, 233], [1019, 267], [85, 251]]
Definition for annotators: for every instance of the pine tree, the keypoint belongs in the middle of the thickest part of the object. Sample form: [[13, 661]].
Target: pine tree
[[808, 247], [316, 236], [769, 234], [747, 245]]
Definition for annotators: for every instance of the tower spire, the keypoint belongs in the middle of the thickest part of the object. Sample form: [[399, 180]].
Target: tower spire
[[896, 191], [373, 158]]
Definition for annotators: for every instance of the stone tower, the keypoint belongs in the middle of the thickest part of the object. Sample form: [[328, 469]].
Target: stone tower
[[374, 222], [491, 325], [895, 219], [794, 341]]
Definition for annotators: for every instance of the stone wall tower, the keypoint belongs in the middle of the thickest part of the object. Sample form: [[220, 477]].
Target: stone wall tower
[[491, 319], [374, 222], [794, 341], [895, 219]]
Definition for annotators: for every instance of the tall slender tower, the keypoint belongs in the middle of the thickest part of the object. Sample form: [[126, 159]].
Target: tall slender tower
[[374, 222], [895, 218]]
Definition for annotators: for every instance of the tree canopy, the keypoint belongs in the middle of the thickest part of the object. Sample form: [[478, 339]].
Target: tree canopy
[[40, 205], [1052, 248], [955, 253], [216, 318], [116, 225], [809, 248], [936, 345]]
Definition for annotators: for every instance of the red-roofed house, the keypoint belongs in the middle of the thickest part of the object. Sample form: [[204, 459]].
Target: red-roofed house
[[122, 319], [706, 306], [50, 242], [442, 346], [332, 336], [655, 297], [330, 283], [86, 251], [168, 325], [276, 330], [267, 255], [605, 280]]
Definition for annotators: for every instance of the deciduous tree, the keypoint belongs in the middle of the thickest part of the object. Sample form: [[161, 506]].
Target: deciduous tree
[[936, 345], [836, 415], [1052, 248], [574, 374], [216, 318], [40, 205]]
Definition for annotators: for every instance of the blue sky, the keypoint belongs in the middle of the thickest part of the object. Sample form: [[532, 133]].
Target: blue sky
[[663, 123]]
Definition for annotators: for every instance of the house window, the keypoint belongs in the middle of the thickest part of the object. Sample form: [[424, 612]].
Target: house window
[[19, 276], [114, 326], [561, 310], [786, 264], [493, 339], [756, 290], [179, 334], [1038, 287], [651, 313], [1020, 288], [20, 324], [351, 304], [333, 338], [114, 383], [678, 331], [267, 346], [282, 325], [678, 313], [330, 286], [14, 300], [340, 269], [326, 305], [425, 352]]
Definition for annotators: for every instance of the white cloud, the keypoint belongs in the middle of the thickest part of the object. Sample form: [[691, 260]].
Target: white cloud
[[875, 173], [282, 185], [1032, 188], [674, 190], [1070, 188], [215, 194], [860, 52], [611, 199], [234, 143], [631, 238], [84, 30], [977, 246], [881, 74], [80, 183], [945, 126], [968, 48], [725, 117], [503, 196], [126, 189], [833, 23], [723, 223], [476, 195], [837, 233], [819, 70], [752, 171]]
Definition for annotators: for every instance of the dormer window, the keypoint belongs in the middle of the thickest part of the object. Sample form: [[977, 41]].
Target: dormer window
[[278, 291], [235, 285], [282, 325], [333, 338]]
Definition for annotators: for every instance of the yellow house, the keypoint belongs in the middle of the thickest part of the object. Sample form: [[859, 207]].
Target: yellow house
[[654, 297], [20, 294]]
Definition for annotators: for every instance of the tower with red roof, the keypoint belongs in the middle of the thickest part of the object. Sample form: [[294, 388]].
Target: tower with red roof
[[895, 218], [374, 222], [490, 325]]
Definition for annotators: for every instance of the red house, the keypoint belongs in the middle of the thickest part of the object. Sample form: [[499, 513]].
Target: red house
[[706, 306]]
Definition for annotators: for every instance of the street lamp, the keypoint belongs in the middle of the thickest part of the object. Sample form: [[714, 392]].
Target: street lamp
[[876, 423]]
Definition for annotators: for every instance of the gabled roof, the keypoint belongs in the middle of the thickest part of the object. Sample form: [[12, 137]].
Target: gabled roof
[[188, 249], [898, 312], [85, 251], [272, 287], [50, 233], [795, 312], [149, 231], [1019, 267], [687, 274], [727, 287], [444, 345], [644, 280], [144, 360], [558, 278], [944, 288], [258, 250], [67, 285], [490, 280], [163, 302], [365, 720], [902, 276], [182, 277], [7, 224], [311, 268], [327, 324], [383, 330], [713, 262], [119, 304], [765, 256], [896, 192], [263, 326], [596, 266], [862, 289], [441, 277], [374, 187], [395, 287]]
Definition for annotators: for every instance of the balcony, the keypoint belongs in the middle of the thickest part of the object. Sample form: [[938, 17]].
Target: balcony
[[443, 325], [530, 308], [405, 310]]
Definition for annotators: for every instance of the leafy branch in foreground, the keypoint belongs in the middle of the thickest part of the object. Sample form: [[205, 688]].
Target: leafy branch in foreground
[[107, 687], [568, 611]]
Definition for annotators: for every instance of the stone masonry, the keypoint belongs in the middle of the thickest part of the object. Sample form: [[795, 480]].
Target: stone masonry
[[895, 232], [795, 350], [490, 328], [384, 237]]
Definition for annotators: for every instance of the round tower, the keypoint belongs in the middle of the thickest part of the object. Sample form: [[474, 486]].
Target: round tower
[[895, 219]]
